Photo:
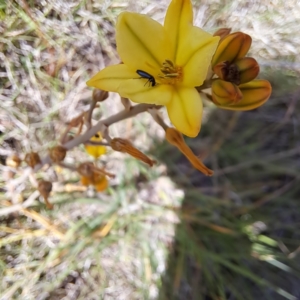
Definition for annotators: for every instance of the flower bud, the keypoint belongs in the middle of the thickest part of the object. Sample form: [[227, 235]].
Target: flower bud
[[225, 93], [233, 47], [175, 138], [32, 159], [45, 188], [248, 69], [57, 153], [255, 93], [122, 145]]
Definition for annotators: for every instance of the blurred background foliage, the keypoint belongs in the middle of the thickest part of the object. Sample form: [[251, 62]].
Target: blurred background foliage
[[167, 232]]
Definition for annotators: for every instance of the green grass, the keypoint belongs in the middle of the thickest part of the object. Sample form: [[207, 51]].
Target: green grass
[[167, 232]]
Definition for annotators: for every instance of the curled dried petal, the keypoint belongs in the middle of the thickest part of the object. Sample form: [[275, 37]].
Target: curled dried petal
[[123, 145], [175, 138]]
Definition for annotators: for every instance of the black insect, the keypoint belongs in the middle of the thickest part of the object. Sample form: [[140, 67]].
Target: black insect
[[146, 75]]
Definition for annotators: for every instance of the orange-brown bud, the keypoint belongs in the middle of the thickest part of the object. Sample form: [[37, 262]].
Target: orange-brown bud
[[248, 69], [99, 95], [222, 33], [224, 92], [45, 188], [122, 145], [32, 159], [255, 93], [175, 138], [13, 161], [233, 47], [57, 153]]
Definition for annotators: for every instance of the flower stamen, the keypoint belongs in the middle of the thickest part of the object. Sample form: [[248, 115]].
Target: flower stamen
[[172, 74]]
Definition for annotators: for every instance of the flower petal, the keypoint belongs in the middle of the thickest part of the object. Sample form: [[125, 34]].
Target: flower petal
[[248, 68], [140, 91], [194, 55], [185, 110], [255, 93], [178, 17], [111, 77], [141, 42], [232, 47]]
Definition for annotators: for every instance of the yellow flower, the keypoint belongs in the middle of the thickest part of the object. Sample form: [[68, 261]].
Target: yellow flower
[[162, 64], [95, 150], [236, 87]]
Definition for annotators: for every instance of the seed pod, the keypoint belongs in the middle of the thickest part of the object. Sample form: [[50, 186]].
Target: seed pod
[[57, 153], [32, 159], [45, 188]]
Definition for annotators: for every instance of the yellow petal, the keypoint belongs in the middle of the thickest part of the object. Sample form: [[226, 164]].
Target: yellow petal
[[194, 55], [141, 42], [185, 110], [138, 92], [179, 16], [111, 77], [255, 93], [95, 150], [233, 47], [248, 68], [225, 93]]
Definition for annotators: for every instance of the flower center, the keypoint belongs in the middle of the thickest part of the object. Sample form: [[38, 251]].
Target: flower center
[[172, 74], [231, 73]]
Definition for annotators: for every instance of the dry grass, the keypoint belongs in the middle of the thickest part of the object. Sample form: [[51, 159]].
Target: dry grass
[[114, 245]]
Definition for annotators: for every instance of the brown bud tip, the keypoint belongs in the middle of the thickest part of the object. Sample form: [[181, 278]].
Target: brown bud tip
[[99, 95], [222, 33], [13, 161], [45, 188], [32, 159], [57, 153]]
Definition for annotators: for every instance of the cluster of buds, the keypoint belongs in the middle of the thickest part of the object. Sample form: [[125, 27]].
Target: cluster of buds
[[234, 85]]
